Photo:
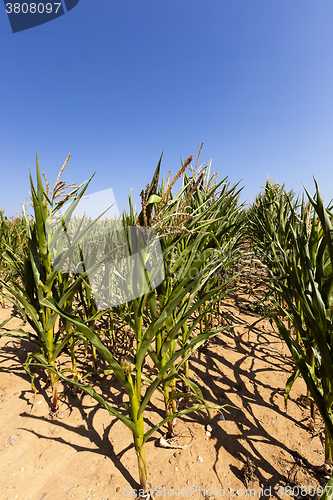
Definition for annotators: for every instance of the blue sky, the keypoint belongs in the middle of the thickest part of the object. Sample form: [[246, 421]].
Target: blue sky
[[115, 83]]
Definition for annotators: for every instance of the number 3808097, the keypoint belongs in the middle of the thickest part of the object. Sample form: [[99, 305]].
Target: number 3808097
[[32, 8]]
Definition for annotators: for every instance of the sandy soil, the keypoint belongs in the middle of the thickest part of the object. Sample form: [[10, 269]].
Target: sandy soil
[[257, 449]]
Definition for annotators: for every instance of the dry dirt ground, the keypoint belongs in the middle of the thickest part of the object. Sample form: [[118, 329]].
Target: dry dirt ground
[[255, 449]]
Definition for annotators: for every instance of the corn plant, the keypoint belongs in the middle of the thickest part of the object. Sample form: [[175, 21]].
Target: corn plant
[[64, 283], [202, 206], [156, 315], [130, 371], [310, 308], [12, 235], [34, 277], [301, 248]]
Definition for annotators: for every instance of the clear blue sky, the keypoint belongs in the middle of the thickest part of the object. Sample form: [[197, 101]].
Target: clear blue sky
[[115, 83]]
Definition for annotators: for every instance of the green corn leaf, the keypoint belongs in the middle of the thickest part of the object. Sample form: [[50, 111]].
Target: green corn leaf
[[154, 199], [30, 337], [290, 382], [20, 299]]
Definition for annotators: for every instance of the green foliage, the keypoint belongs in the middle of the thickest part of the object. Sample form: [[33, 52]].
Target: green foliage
[[198, 229], [297, 240]]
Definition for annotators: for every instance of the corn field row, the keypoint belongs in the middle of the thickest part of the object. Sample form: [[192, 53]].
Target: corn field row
[[140, 293]]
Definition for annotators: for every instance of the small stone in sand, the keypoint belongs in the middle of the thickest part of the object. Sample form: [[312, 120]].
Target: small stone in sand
[[13, 439]]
